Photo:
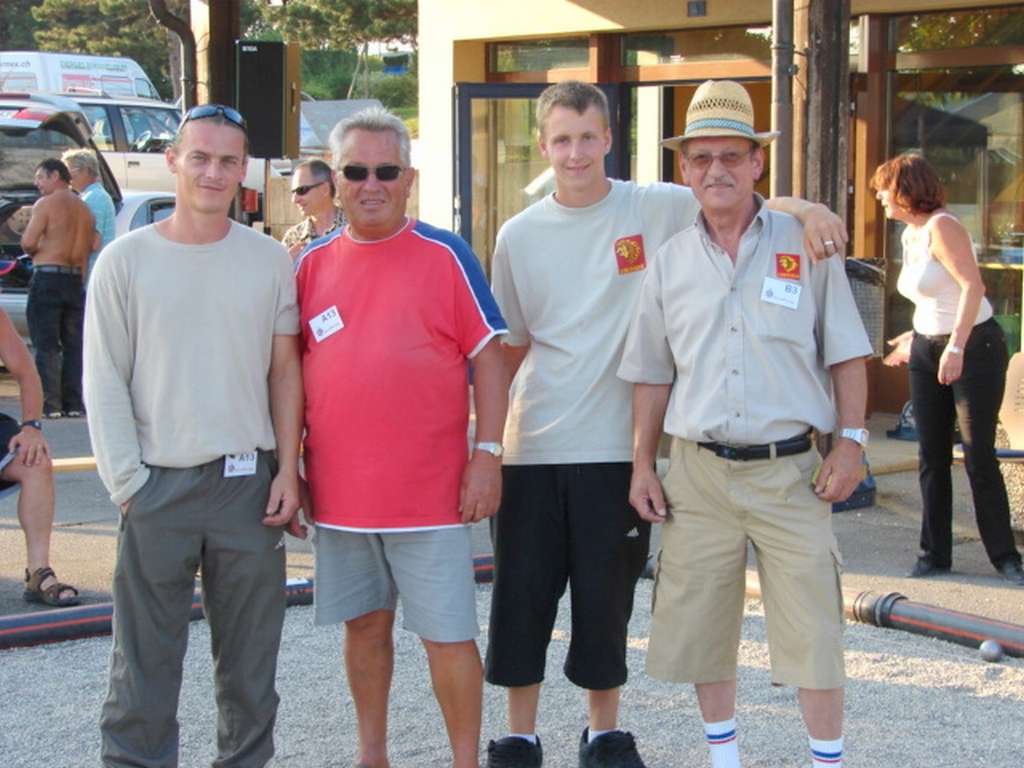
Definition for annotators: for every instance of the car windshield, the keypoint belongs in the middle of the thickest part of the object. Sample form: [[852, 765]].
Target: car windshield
[[142, 123], [22, 150]]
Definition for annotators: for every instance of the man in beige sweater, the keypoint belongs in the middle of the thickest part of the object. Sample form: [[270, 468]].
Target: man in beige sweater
[[192, 380]]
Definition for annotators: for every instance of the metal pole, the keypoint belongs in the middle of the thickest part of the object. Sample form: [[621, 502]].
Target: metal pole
[[782, 97]]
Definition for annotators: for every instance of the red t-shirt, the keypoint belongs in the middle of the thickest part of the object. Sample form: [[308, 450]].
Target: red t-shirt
[[387, 330]]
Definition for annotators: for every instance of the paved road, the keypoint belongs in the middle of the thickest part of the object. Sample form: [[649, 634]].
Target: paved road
[[912, 701]]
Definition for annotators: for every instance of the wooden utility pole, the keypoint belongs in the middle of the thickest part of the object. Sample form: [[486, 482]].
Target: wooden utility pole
[[216, 25], [828, 98], [782, 97]]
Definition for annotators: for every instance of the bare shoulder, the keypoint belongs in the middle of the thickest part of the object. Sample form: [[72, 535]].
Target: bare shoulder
[[947, 230]]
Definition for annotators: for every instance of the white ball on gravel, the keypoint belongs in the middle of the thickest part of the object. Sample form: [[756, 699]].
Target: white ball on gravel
[[990, 650]]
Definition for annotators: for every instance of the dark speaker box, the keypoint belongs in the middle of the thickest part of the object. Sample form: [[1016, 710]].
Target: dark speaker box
[[267, 93]]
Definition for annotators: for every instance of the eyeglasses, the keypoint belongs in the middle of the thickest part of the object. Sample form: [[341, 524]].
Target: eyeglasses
[[204, 111], [701, 161], [305, 188], [362, 172]]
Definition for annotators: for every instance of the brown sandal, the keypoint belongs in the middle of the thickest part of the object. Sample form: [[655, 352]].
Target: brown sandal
[[51, 595]]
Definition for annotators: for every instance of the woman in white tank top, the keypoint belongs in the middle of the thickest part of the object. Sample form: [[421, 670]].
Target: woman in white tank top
[[957, 358]]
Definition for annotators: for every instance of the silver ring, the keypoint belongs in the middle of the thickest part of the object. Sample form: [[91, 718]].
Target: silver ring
[[831, 242]]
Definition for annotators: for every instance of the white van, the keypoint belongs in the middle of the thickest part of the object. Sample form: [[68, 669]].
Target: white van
[[71, 73]]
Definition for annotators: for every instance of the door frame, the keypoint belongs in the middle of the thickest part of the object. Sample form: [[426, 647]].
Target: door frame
[[462, 139]]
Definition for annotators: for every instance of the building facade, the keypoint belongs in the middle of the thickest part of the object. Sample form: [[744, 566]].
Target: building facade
[[942, 78]]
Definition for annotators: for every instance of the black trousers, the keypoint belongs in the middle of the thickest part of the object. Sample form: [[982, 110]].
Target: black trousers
[[973, 400], [55, 312]]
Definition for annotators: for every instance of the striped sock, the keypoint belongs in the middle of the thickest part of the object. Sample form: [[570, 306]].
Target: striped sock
[[721, 738], [826, 753]]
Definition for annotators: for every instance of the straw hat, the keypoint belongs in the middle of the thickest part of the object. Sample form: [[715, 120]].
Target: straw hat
[[720, 108]]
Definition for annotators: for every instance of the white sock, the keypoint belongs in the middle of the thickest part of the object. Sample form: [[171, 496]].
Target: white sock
[[721, 738], [592, 734], [826, 753], [530, 737]]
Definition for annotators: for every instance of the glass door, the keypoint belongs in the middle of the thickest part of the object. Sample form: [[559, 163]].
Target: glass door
[[969, 123], [499, 169]]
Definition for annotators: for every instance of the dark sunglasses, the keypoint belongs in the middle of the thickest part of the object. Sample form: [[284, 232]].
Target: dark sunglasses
[[304, 189], [204, 111], [362, 172]]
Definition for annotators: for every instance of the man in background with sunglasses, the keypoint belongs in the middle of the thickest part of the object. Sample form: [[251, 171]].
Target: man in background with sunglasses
[[313, 192], [193, 381], [394, 314], [736, 347], [566, 273]]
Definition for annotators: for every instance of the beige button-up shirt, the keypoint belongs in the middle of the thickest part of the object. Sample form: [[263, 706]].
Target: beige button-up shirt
[[746, 347]]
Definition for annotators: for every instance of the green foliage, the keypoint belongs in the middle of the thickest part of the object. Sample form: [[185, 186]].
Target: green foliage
[[329, 31], [394, 90], [327, 74], [341, 24], [946, 30], [109, 28], [17, 25]]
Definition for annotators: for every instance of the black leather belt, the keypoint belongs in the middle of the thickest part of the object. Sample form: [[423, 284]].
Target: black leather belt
[[57, 269], [790, 447]]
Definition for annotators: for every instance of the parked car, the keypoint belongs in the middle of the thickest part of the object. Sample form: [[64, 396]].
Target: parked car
[[54, 72], [133, 134], [34, 127]]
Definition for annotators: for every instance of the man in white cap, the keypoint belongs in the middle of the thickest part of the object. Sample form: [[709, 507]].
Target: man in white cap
[[736, 346], [566, 274]]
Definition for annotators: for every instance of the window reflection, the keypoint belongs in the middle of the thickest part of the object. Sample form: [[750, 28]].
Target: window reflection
[[509, 172], [969, 123]]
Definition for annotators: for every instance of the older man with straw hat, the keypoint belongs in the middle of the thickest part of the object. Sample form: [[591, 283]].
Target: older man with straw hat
[[736, 347]]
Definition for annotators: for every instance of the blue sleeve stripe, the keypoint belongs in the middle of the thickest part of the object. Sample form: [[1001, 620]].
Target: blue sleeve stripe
[[316, 245], [472, 273]]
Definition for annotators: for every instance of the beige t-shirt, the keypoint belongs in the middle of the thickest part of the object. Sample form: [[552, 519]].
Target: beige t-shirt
[[747, 370], [566, 280], [177, 350]]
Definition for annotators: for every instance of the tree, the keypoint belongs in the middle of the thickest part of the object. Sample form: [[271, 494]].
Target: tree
[[341, 24], [346, 24], [17, 25], [110, 28]]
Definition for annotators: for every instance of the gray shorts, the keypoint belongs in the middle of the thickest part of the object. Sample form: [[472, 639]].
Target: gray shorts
[[358, 573]]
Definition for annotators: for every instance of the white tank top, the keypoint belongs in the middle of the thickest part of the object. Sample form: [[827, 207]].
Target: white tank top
[[926, 282]]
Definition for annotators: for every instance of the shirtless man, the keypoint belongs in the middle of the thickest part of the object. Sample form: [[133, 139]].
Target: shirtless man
[[59, 237]]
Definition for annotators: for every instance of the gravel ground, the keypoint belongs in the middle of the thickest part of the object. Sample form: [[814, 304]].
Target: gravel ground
[[911, 702]]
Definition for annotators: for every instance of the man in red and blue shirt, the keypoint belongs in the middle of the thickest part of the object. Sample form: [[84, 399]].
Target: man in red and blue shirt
[[394, 314]]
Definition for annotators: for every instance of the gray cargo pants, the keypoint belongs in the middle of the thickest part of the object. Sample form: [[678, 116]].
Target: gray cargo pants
[[182, 520]]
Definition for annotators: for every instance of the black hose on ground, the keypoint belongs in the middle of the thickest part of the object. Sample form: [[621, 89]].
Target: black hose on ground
[[83, 621], [895, 611]]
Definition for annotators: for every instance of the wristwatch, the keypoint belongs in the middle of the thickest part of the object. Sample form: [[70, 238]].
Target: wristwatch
[[34, 423], [495, 449], [953, 349], [859, 436]]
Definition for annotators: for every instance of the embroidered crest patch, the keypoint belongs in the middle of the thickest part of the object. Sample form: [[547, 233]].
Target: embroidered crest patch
[[787, 266], [629, 254]]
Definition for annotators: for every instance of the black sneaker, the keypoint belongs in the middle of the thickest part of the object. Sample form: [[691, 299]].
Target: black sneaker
[[513, 752], [610, 750], [924, 567], [1012, 572]]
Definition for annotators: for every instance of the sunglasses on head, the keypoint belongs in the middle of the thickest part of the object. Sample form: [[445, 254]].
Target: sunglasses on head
[[304, 189], [204, 111], [362, 172]]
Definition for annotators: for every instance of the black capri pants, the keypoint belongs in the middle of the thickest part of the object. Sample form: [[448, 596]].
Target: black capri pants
[[558, 525]]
